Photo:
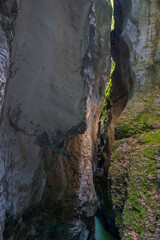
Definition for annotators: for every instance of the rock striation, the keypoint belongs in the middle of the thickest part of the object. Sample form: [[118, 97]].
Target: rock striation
[[59, 66]]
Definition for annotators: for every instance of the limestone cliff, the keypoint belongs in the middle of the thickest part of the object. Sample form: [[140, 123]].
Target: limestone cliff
[[60, 60]]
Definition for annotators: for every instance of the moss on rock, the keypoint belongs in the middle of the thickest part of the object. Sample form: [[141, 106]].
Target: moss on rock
[[133, 176]]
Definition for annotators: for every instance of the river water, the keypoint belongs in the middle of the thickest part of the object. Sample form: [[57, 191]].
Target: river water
[[102, 234]]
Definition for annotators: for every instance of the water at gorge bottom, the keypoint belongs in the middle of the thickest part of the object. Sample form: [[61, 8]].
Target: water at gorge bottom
[[102, 234]]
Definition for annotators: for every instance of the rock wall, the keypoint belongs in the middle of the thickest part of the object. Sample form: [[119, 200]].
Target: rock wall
[[133, 175], [59, 67]]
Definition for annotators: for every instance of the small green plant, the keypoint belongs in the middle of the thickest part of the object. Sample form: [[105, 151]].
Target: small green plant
[[107, 99]]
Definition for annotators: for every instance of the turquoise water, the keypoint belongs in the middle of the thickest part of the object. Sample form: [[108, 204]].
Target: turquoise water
[[101, 234]]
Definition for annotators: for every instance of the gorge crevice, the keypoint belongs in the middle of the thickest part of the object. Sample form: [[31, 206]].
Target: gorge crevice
[[123, 82], [123, 77]]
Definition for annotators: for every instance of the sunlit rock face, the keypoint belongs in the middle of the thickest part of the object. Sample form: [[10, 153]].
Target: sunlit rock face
[[144, 30], [133, 176], [54, 97]]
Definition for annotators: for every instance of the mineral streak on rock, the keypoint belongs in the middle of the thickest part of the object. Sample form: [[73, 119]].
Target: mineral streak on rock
[[54, 97], [4, 62]]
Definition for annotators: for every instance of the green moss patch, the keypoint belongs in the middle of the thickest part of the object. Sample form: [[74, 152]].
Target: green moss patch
[[133, 178], [141, 115]]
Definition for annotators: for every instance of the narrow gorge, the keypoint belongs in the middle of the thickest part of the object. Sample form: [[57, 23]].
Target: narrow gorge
[[79, 119]]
